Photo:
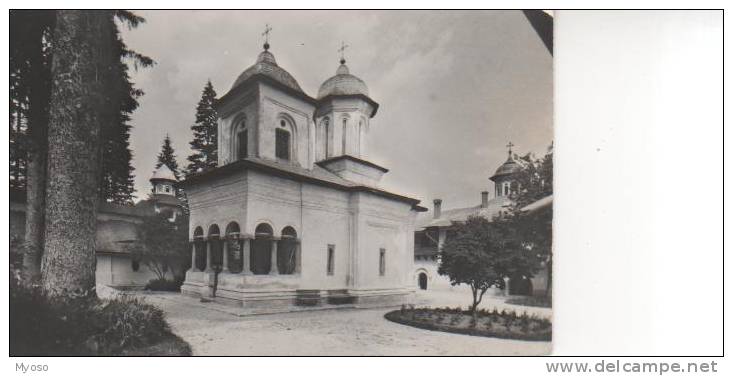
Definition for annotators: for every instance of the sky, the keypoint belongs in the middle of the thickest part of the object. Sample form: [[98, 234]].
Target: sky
[[454, 87]]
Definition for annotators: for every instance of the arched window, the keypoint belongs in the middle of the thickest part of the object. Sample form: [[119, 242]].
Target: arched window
[[282, 141], [326, 145], [359, 137], [286, 251], [343, 136], [241, 139], [322, 139]]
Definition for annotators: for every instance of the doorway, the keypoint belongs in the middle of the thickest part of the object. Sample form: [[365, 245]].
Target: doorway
[[422, 281]]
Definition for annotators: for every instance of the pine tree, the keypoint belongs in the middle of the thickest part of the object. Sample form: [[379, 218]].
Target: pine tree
[[85, 61], [31, 54], [167, 156], [30, 86], [204, 142], [117, 183]]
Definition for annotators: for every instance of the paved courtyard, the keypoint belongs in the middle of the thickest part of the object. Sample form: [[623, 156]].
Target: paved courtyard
[[212, 329]]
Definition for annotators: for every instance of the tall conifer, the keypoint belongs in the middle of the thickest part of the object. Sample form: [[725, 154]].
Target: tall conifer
[[204, 142]]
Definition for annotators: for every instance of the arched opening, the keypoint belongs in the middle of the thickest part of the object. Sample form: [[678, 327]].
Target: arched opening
[[213, 239], [240, 139], [322, 135], [360, 137], [260, 257], [422, 281], [286, 251], [343, 135], [200, 248], [234, 247], [285, 136]]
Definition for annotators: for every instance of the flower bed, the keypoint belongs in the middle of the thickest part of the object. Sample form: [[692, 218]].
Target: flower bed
[[498, 324], [531, 301]]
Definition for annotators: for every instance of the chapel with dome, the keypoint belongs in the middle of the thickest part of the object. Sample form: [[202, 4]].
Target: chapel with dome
[[294, 213]]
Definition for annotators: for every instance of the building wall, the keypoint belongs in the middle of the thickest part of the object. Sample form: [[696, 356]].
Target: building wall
[[356, 224], [116, 270], [226, 124], [276, 105], [384, 224], [112, 269]]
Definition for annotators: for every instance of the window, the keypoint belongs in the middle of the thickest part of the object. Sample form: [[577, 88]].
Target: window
[[135, 265], [282, 144], [242, 144], [167, 189], [382, 265], [329, 259], [343, 137], [327, 131], [506, 189]]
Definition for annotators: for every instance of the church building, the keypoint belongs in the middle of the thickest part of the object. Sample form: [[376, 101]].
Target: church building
[[294, 213]]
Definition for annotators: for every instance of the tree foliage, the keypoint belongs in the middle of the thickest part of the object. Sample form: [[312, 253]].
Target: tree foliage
[[204, 142], [534, 228], [167, 156], [481, 253], [534, 179], [163, 244], [31, 50]]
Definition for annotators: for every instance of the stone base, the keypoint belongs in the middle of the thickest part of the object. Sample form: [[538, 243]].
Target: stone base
[[282, 292]]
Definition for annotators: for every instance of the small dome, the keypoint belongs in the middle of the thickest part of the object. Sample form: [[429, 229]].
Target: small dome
[[508, 168], [267, 66], [343, 83], [163, 173]]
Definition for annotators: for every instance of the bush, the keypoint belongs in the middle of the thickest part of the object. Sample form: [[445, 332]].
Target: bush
[[39, 326], [163, 284]]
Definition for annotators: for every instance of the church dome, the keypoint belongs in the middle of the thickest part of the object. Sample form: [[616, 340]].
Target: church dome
[[343, 83], [508, 168], [163, 173], [267, 66]]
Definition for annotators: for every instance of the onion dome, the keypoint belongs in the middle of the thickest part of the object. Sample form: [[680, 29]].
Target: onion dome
[[163, 173], [509, 167], [343, 83], [267, 66]]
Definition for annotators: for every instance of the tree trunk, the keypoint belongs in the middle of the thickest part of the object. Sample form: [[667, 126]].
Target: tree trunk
[[79, 102], [39, 97]]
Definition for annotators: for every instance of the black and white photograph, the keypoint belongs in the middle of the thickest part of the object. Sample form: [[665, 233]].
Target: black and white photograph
[[327, 183], [361, 181]]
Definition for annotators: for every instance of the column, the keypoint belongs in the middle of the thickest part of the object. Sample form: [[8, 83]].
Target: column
[[245, 256], [225, 255], [193, 256], [208, 255], [273, 258]]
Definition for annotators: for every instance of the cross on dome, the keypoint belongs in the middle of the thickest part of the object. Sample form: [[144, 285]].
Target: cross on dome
[[266, 34], [509, 146], [343, 48]]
